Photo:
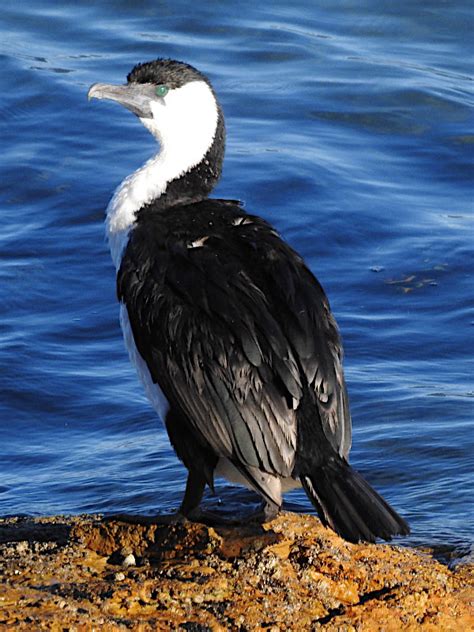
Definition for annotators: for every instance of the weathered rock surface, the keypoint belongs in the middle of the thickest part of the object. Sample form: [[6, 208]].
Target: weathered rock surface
[[84, 573]]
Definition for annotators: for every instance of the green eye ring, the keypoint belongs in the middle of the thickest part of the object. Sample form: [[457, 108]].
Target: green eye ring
[[161, 91]]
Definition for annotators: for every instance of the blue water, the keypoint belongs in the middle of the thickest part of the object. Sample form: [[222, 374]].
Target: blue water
[[350, 128]]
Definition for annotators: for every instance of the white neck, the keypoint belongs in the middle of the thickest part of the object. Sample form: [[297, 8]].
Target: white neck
[[139, 188], [185, 124]]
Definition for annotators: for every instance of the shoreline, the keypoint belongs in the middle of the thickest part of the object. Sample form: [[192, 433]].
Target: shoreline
[[81, 572]]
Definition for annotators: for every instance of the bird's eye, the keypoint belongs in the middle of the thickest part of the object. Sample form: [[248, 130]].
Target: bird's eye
[[161, 91]]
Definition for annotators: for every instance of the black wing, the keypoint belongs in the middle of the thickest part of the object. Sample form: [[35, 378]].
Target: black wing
[[233, 327]]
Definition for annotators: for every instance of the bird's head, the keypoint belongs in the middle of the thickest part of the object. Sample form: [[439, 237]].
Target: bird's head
[[174, 101]]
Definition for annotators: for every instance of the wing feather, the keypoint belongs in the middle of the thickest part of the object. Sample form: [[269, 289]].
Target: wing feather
[[233, 331]]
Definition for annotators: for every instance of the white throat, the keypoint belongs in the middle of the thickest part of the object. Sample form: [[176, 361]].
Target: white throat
[[184, 123]]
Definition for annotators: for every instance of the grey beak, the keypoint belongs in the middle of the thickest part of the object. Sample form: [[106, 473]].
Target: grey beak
[[135, 97]]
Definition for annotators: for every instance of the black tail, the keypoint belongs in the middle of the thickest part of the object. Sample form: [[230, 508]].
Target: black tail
[[349, 505]]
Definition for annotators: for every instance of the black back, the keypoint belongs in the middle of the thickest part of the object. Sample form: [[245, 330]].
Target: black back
[[236, 331]]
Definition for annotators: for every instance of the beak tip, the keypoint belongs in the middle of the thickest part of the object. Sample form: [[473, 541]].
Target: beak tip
[[90, 92], [131, 97]]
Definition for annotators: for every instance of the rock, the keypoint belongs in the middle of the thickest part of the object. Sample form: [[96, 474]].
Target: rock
[[129, 560], [291, 574], [22, 547]]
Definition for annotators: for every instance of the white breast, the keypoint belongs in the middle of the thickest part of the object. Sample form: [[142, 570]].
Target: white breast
[[153, 391], [140, 188]]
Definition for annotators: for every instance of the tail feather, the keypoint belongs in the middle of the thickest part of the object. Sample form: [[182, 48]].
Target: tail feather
[[347, 503]]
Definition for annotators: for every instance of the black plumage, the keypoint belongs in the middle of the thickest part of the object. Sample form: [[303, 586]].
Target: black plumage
[[238, 334]]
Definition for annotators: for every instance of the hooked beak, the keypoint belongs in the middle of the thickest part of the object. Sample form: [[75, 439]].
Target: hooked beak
[[135, 97]]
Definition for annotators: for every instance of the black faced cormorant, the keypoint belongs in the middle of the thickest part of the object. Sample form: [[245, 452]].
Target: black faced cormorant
[[230, 332]]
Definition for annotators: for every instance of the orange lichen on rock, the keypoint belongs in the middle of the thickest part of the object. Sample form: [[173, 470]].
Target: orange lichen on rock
[[291, 574]]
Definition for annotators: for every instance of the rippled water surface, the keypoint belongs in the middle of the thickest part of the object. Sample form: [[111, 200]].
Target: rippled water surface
[[350, 128]]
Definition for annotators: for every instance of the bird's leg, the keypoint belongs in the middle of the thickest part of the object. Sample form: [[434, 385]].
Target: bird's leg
[[192, 497], [190, 510], [189, 507], [195, 486]]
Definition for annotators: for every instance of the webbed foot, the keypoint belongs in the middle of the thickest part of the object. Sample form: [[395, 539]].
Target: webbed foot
[[265, 513]]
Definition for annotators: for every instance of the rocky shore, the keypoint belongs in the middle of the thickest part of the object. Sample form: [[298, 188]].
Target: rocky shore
[[87, 573]]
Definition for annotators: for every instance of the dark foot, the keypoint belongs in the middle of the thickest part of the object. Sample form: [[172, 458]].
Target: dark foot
[[265, 513]]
